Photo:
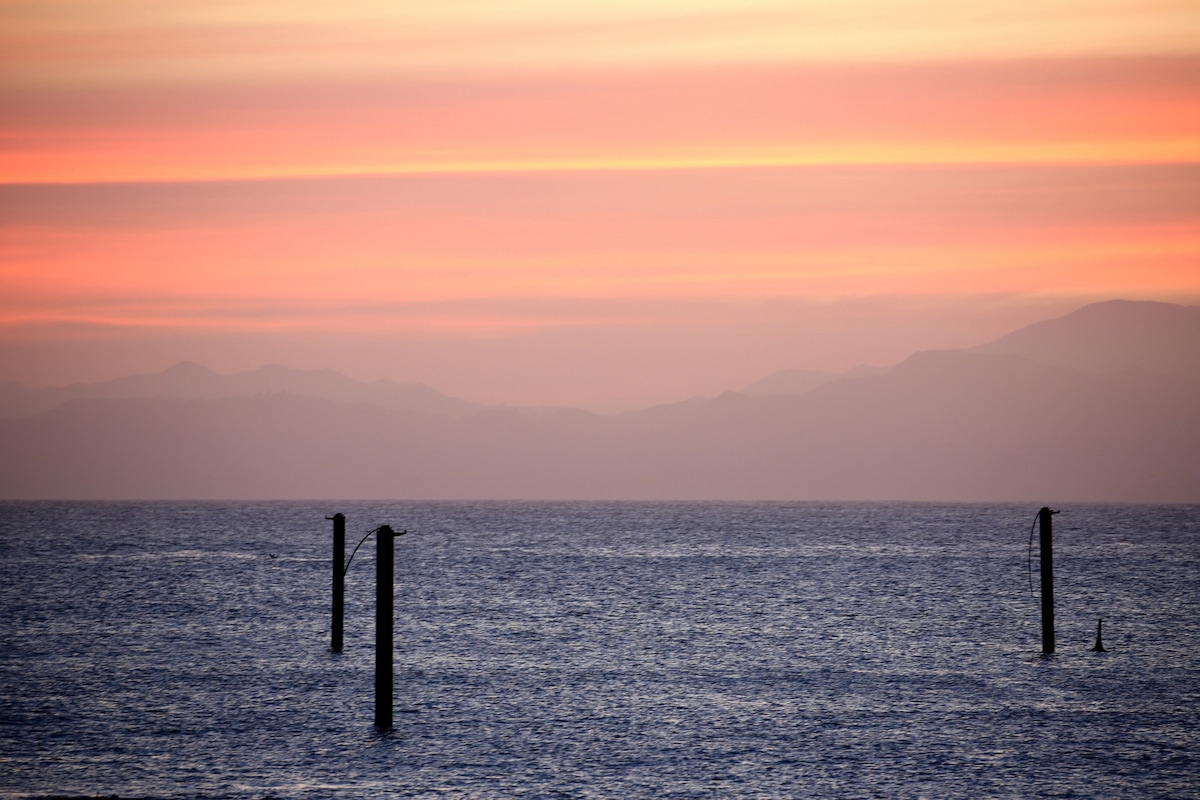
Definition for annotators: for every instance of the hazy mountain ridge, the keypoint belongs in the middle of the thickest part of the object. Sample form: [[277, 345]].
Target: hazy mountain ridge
[[1112, 336], [942, 425], [191, 380], [798, 381]]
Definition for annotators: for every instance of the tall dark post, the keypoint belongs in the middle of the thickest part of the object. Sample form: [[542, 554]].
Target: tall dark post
[[339, 581], [1046, 545], [384, 578]]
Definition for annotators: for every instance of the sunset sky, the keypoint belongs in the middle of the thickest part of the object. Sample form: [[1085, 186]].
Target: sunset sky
[[418, 191]]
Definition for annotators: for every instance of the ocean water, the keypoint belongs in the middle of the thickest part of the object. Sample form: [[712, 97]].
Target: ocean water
[[599, 650]]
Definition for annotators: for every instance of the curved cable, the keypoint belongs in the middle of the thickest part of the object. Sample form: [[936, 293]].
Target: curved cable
[[360, 544], [1030, 562]]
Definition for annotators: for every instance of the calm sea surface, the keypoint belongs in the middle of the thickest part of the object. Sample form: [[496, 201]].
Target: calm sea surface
[[577, 650]]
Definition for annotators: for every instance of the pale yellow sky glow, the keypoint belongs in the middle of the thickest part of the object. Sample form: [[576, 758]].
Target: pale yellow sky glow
[[150, 42]]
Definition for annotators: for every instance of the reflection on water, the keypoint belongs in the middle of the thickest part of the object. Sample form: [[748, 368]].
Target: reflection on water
[[598, 650]]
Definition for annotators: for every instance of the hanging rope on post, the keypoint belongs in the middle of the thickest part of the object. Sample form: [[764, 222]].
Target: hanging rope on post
[[360, 544]]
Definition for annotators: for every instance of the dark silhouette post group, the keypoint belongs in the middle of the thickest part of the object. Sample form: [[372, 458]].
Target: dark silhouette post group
[[384, 603], [385, 539]]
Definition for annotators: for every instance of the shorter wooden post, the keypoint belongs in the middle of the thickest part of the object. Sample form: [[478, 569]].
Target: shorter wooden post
[[339, 582]]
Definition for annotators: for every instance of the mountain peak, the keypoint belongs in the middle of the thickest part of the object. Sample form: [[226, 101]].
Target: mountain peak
[[187, 368], [1113, 336]]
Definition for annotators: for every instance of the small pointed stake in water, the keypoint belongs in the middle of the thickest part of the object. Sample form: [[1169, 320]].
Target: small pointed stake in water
[[1099, 648]]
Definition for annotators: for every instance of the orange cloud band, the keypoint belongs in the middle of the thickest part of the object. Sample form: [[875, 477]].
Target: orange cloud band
[[330, 250], [1131, 110]]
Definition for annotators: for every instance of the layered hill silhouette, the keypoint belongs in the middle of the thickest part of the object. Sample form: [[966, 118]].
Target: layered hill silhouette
[[190, 380], [1112, 336], [1013, 420], [799, 381]]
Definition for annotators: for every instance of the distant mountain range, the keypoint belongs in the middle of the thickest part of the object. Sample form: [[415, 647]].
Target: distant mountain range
[[799, 381], [1100, 405], [1109, 337], [189, 380]]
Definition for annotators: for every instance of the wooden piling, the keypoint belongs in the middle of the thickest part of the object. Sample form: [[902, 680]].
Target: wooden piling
[[339, 582], [1046, 545], [384, 579]]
